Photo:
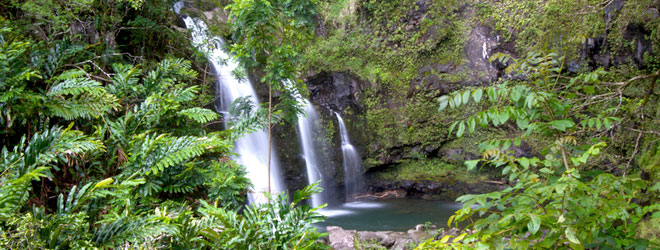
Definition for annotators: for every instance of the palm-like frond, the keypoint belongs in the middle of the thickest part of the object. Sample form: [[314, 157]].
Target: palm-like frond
[[200, 115], [168, 72], [77, 96], [28, 162], [74, 84], [182, 149], [129, 229], [125, 81]]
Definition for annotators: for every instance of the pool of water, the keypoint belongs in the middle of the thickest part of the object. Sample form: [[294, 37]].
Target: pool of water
[[388, 215]]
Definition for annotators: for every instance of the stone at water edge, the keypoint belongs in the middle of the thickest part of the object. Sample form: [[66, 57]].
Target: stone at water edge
[[340, 239]]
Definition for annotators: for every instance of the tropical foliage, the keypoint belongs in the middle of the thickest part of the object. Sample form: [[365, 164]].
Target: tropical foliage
[[105, 143], [108, 138], [563, 199]]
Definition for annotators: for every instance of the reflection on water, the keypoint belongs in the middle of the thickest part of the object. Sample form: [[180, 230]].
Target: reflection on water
[[388, 215]]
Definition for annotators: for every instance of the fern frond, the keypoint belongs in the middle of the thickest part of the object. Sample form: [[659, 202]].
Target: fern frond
[[76, 86], [185, 95], [181, 150], [125, 81], [70, 74], [26, 162], [129, 229], [14, 192], [84, 106], [200, 115], [169, 71]]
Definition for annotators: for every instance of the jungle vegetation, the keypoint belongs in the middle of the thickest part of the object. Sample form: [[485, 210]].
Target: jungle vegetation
[[108, 136]]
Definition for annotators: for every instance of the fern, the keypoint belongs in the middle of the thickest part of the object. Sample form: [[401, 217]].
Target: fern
[[200, 115], [129, 229], [167, 72], [83, 106], [27, 162], [76, 85], [79, 97], [181, 149], [125, 81]]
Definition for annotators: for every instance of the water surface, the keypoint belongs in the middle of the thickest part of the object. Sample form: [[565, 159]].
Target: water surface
[[388, 215]]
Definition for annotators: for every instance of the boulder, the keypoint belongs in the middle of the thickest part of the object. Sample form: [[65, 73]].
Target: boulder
[[340, 239]]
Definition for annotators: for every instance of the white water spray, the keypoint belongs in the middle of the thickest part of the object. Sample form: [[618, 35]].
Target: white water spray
[[306, 126], [252, 149], [352, 163]]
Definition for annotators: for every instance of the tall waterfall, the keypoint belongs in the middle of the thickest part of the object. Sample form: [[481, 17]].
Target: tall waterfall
[[306, 126], [352, 163], [252, 149]]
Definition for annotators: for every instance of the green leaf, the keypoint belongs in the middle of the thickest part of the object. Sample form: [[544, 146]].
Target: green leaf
[[444, 101], [515, 94], [451, 218], [452, 126], [461, 129], [534, 224], [471, 125], [466, 96], [457, 100], [530, 101], [562, 125], [591, 122], [522, 123], [471, 164], [655, 187], [571, 236], [477, 95], [200, 115], [517, 142], [523, 162], [589, 89], [607, 123], [492, 94]]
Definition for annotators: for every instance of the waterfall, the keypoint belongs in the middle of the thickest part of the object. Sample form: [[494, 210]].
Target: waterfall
[[352, 163], [252, 149], [306, 126]]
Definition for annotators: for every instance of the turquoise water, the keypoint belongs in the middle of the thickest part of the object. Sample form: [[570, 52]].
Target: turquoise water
[[388, 215]]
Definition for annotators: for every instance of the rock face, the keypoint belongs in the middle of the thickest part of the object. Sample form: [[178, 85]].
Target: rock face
[[335, 91], [479, 48], [340, 239], [428, 190]]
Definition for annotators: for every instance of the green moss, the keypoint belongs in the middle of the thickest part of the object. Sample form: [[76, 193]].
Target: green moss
[[432, 169], [563, 25], [648, 229], [383, 46], [650, 160]]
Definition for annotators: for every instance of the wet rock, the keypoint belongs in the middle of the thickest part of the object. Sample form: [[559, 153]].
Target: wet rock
[[447, 190], [340, 239], [478, 51], [335, 91]]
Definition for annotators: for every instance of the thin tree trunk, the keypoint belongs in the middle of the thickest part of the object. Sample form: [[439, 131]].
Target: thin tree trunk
[[270, 112]]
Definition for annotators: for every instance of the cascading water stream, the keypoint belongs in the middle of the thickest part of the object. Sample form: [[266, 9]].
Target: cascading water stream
[[352, 163], [252, 149], [306, 126]]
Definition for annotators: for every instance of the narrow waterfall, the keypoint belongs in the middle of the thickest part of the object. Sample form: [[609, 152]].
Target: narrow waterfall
[[252, 149], [307, 126], [352, 163]]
